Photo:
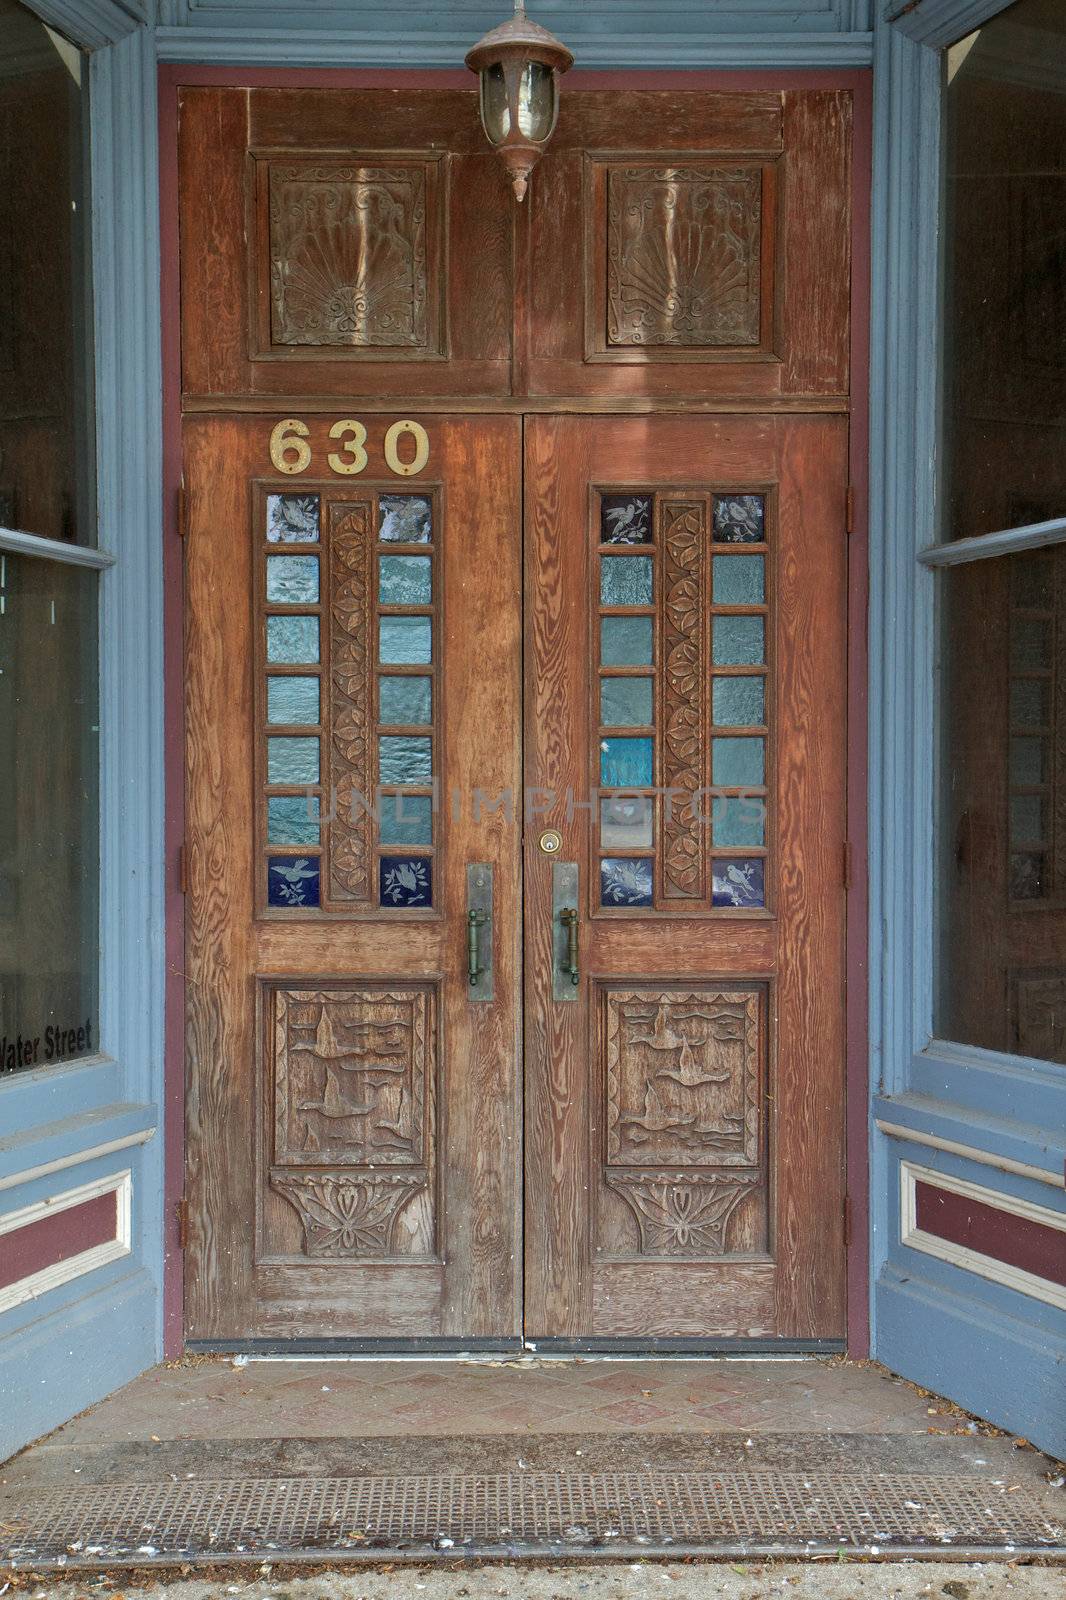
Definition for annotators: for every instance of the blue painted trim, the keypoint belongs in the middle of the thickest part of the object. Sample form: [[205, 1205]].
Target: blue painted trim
[[939, 23], [1001, 1138], [92, 24], [66, 1140], [595, 18], [994, 1084]]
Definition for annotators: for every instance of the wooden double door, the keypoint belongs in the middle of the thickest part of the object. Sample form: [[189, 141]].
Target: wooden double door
[[515, 749]]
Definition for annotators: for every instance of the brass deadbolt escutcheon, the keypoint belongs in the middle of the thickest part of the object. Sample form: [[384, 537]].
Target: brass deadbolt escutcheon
[[550, 841]]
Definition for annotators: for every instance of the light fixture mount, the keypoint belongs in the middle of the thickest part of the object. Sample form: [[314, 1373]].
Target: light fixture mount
[[518, 65]]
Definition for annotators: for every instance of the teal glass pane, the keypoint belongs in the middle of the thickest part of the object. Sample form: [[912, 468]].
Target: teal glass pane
[[625, 702], [737, 763], [292, 700], [405, 519], [738, 641], [288, 821], [1030, 643], [292, 580], [405, 580], [1026, 761], [625, 580], [739, 820], [292, 760], [406, 819], [292, 518], [407, 701], [626, 763], [1029, 702], [405, 641], [292, 639], [739, 702], [1026, 819], [626, 641], [739, 581], [404, 760], [626, 822]]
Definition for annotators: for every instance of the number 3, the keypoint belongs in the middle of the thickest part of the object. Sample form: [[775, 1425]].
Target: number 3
[[353, 457]]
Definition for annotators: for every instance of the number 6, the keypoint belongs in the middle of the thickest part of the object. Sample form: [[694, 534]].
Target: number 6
[[282, 441], [353, 448]]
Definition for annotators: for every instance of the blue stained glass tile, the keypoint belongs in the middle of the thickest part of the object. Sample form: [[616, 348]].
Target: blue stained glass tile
[[405, 641], [406, 881], [625, 519], [292, 760], [625, 702], [739, 702], [292, 580], [406, 819], [625, 882], [739, 581], [737, 763], [626, 641], [292, 518], [739, 882], [405, 701], [626, 763], [292, 699], [292, 881], [292, 640], [625, 581], [292, 819], [405, 580], [739, 518], [405, 519], [739, 821], [404, 760], [738, 641]]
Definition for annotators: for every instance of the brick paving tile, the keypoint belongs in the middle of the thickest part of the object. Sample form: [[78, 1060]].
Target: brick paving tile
[[632, 1411]]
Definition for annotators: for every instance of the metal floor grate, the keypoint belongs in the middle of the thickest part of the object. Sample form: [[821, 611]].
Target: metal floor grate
[[523, 1513]]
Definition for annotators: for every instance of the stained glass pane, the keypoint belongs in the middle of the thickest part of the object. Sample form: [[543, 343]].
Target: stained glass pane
[[1029, 702], [739, 702], [405, 640], [1026, 819], [292, 760], [292, 700], [626, 822], [407, 701], [626, 763], [406, 881], [1026, 876], [292, 881], [737, 763], [1026, 762], [292, 518], [625, 519], [625, 702], [1030, 642], [405, 519], [739, 581], [626, 641], [739, 518], [292, 639], [739, 821], [737, 641], [406, 819], [404, 760], [292, 819], [625, 581], [625, 882], [405, 580], [292, 580], [739, 882]]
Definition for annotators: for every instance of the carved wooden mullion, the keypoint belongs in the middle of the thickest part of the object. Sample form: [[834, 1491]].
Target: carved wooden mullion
[[683, 689], [349, 777]]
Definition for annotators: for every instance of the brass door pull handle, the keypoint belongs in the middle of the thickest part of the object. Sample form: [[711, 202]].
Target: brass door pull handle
[[475, 921], [569, 918]]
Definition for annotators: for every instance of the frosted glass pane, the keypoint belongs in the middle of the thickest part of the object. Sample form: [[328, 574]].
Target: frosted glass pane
[[625, 882], [292, 639], [292, 700], [625, 702], [737, 763], [739, 821], [1026, 819], [405, 580], [626, 763], [1029, 702], [739, 702], [739, 518], [626, 823], [404, 760], [739, 581], [288, 821], [406, 819], [739, 883], [406, 701], [292, 760], [293, 881], [1030, 642], [405, 881], [737, 641], [626, 641], [406, 641], [1026, 762], [625, 580], [405, 519], [625, 519], [292, 518], [292, 580]]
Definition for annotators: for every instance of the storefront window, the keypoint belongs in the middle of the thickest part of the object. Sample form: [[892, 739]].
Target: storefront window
[[1002, 820], [49, 735]]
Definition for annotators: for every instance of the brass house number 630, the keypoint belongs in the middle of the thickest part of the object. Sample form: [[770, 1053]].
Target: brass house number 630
[[290, 452]]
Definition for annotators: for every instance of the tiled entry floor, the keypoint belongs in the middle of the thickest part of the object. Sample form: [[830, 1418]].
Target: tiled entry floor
[[206, 1398]]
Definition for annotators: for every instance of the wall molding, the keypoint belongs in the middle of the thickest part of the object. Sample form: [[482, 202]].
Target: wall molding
[[45, 1169], [939, 23], [92, 24], [969, 1152]]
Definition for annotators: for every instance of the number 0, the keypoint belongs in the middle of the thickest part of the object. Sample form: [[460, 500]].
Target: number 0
[[405, 469], [290, 435]]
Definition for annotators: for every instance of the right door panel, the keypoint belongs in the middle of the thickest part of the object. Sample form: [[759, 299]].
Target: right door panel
[[686, 738]]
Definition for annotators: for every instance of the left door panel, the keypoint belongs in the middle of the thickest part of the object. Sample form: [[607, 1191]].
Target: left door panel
[[352, 684]]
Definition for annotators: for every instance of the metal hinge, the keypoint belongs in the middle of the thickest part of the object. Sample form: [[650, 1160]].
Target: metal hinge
[[849, 510], [847, 1221], [183, 870], [182, 511], [181, 1213], [847, 864]]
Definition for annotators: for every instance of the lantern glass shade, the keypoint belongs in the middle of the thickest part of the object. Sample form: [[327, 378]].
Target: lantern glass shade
[[518, 66]]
